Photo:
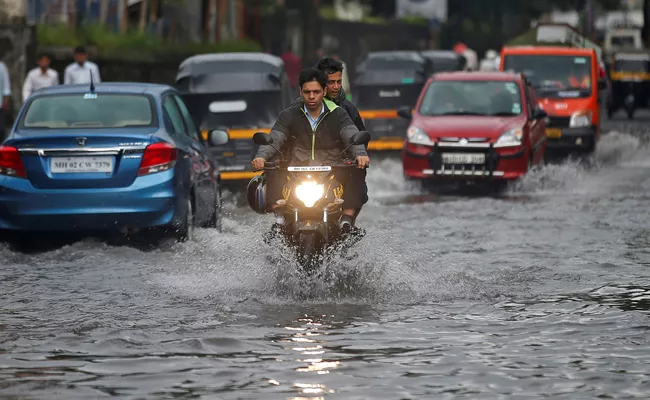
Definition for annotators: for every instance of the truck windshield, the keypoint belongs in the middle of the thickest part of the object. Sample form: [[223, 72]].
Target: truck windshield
[[554, 76]]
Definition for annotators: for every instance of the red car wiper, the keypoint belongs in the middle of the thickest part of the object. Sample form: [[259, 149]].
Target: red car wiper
[[503, 114], [461, 113]]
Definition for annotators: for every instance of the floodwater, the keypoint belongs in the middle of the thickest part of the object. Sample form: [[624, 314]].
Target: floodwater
[[542, 292]]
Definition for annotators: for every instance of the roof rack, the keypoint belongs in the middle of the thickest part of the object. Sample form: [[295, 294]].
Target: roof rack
[[566, 34]]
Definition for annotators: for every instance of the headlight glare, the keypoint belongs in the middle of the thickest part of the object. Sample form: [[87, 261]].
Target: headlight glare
[[309, 193]]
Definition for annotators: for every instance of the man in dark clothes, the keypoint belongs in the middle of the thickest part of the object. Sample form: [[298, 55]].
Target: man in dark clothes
[[333, 69], [316, 130]]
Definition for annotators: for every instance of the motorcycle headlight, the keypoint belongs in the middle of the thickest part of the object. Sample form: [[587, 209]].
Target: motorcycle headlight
[[511, 138], [309, 193], [580, 119], [416, 135]]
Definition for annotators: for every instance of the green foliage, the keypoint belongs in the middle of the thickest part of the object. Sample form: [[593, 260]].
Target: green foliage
[[133, 45], [528, 38], [414, 20], [329, 13]]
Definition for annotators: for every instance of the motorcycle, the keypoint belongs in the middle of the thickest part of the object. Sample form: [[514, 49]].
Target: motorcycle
[[312, 204]]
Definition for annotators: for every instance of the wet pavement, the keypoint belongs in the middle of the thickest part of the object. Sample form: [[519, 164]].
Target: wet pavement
[[541, 292]]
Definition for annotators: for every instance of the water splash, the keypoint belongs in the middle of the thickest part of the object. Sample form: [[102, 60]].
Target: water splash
[[577, 175], [400, 261], [386, 178]]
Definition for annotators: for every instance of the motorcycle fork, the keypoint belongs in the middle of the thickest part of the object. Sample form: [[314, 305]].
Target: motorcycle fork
[[320, 227]]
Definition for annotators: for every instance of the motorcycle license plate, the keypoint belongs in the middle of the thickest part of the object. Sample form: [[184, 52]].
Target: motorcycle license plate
[[463, 158], [554, 133], [318, 168]]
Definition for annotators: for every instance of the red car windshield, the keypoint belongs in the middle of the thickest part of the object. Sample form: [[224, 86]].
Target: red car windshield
[[493, 98]]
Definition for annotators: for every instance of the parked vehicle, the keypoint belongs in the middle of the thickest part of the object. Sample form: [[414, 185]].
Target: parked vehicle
[[116, 157], [241, 93], [471, 126], [444, 60], [388, 80]]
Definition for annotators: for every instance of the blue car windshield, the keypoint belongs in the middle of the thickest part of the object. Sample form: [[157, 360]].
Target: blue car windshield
[[101, 110]]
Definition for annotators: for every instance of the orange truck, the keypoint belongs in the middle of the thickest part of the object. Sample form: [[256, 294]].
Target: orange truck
[[566, 74], [566, 82]]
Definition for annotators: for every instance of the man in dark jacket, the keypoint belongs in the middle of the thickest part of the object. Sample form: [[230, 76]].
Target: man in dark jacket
[[316, 131], [333, 70]]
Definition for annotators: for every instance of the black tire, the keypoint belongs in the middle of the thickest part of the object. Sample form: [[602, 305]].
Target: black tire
[[307, 251], [630, 114], [592, 146], [185, 231], [216, 219]]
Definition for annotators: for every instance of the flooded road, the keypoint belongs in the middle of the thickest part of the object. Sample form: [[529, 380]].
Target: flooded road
[[542, 292]]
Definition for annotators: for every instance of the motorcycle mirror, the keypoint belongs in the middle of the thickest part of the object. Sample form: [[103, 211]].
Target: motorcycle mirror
[[404, 112], [218, 137], [363, 137], [262, 138]]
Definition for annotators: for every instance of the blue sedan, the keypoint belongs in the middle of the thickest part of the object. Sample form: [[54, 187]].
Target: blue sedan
[[112, 157]]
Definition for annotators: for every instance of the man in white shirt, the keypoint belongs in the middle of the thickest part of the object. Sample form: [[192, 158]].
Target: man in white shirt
[[5, 95], [80, 70], [40, 77]]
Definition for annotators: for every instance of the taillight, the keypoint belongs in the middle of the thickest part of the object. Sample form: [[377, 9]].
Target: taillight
[[10, 162], [157, 157]]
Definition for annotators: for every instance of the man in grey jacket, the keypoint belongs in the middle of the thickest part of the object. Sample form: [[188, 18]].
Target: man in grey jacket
[[315, 132]]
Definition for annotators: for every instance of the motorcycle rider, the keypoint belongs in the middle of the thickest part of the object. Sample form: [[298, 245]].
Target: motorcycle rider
[[331, 132], [335, 92], [333, 70]]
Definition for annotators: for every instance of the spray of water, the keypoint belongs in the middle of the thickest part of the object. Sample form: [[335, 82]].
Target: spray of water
[[574, 175], [399, 261]]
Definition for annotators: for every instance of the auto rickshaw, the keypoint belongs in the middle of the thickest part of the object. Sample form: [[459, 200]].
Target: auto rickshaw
[[629, 73], [241, 93], [444, 60], [387, 81]]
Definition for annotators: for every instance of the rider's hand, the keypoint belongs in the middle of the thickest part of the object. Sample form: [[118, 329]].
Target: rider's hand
[[363, 161], [258, 163]]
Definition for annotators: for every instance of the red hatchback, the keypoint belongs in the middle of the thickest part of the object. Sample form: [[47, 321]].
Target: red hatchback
[[474, 125]]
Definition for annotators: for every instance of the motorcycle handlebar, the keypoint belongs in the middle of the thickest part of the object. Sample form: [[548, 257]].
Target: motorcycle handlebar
[[276, 165]]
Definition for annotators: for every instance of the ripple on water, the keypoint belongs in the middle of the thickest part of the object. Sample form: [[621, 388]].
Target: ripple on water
[[540, 292]]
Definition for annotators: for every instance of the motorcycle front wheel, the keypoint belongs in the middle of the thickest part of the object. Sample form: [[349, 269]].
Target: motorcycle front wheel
[[307, 251]]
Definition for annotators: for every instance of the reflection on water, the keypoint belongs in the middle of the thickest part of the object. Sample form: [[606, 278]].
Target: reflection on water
[[639, 247], [308, 338], [625, 297]]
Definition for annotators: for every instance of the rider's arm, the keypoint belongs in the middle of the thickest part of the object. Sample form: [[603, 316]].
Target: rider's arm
[[279, 133], [348, 131], [356, 117]]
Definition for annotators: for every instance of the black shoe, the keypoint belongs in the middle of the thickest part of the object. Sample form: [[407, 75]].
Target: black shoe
[[345, 225]]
